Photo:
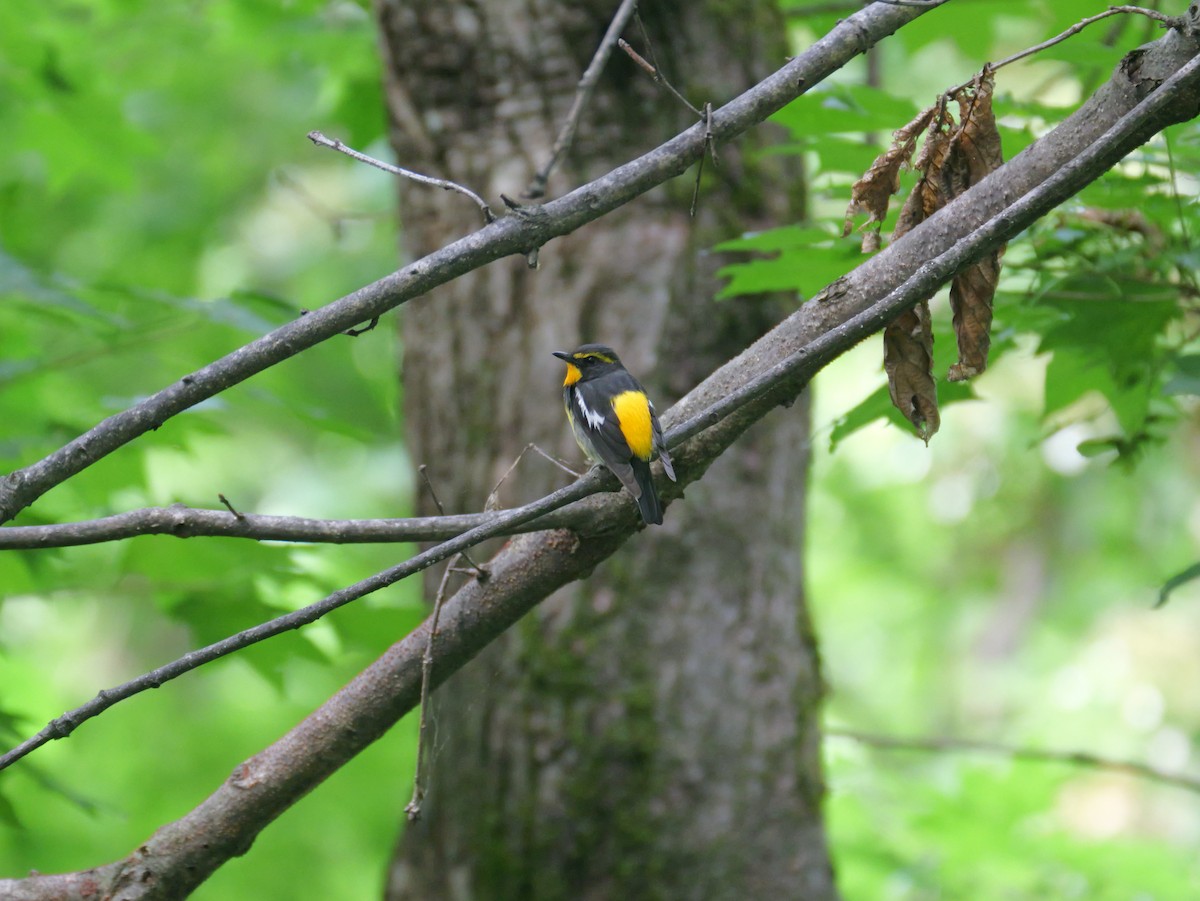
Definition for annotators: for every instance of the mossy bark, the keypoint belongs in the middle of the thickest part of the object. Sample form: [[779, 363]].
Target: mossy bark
[[650, 732]]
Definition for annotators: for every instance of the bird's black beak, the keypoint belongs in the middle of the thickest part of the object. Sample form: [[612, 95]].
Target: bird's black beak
[[562, 355]]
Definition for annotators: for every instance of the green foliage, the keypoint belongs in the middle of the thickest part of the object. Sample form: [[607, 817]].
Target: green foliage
[[1107, 284], [924, 845], [159, 207], [999, 585], [825, 259]]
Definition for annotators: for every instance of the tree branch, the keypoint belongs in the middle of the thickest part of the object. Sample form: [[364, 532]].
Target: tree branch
[[333, 144], [182, 521], [1074, 758], [64, 725], [513, 234], [733, 409], [1161, 18], [1153, 87]]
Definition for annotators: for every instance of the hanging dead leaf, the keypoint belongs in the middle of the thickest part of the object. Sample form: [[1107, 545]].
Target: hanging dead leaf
[[927, 197], [908, 339], [978, 138], [872, 193], [908, 361], [971, 295], [974, 153], [953, 158]]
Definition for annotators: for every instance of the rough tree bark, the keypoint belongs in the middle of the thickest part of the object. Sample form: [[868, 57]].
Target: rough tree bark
[[650, 732]]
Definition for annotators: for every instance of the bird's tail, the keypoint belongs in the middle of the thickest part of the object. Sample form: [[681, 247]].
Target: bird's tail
[[648, 502]]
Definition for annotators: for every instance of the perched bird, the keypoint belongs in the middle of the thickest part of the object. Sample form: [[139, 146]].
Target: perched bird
[[614, 422]]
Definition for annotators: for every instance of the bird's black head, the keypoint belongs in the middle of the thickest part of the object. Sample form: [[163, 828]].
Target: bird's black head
[[588, 361]]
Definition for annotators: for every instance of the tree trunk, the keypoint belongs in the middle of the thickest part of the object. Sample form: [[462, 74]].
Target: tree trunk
[[650, 732]]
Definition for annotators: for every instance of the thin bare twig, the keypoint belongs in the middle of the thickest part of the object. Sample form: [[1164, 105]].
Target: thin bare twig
[[493, 498], [710, 144], [228, 506], [321, 141], [1073, 30], [653, 72], [1015, 752], [583, 93], [413, 809], [424, 471], [557, 462], [181, 521], [705, 115]]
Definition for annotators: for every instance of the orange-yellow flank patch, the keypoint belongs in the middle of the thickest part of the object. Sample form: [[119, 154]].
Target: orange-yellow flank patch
[[633, 414]]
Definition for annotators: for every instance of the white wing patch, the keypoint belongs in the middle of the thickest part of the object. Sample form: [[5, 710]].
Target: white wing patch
[[594, 419]]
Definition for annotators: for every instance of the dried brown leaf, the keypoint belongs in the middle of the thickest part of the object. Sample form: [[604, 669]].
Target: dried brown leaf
[[872, 193], [978, 138], [912, 213], [974, 153], [971, 295], [908, 361], [926, 197], [908, 340]]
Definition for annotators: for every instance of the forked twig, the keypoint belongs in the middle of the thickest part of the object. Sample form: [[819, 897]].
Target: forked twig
[[321, 141], [493, 498], [705, 115]]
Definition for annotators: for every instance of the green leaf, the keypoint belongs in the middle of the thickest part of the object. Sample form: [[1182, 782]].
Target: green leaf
[[808, 260], [840, 154], [1187, 378], [846, 109], [876, 405], [1189, 574], [1098, 447]]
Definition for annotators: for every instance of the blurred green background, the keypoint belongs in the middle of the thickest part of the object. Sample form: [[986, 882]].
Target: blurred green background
[[160, 206]]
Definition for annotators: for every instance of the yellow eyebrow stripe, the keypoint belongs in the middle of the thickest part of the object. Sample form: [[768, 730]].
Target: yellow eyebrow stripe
[[633, 415]]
